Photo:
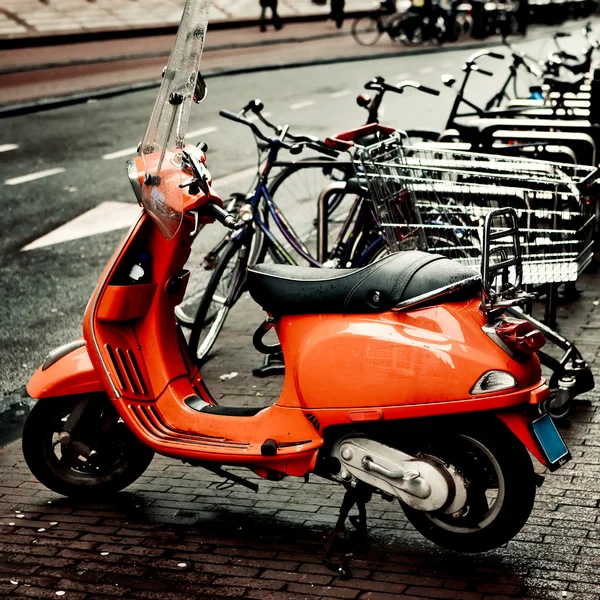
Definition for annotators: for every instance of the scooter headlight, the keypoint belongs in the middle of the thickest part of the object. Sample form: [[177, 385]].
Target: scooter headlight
[[494, 381]]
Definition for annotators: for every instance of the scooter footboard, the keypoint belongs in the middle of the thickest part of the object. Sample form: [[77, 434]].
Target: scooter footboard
[[66, 371]]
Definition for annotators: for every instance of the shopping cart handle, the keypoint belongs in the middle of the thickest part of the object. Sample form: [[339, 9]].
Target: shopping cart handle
[[585, 184]]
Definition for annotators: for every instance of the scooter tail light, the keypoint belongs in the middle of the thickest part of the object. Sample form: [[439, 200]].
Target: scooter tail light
[[493, 381], [520, 336]]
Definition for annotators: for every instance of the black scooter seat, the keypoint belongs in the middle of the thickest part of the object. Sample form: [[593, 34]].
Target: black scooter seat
[[378, 287]]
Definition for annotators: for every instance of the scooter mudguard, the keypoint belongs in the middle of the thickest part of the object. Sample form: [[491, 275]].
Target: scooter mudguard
[[66, 371], [520, 425]]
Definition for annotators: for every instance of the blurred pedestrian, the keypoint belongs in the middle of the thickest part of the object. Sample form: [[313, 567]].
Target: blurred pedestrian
[[523, 16], [275, 18], [337, 12]]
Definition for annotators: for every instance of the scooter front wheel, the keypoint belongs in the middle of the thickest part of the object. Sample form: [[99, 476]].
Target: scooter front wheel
[[101, 458], [500, 494]]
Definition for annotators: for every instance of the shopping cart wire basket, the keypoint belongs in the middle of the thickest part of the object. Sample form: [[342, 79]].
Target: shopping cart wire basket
[[437, 200]]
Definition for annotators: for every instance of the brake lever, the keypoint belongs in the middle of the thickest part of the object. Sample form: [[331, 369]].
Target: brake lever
[[200, 180]]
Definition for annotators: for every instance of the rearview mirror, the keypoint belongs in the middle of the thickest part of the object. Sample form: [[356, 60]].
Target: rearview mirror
[[448, 80], [200, 90]]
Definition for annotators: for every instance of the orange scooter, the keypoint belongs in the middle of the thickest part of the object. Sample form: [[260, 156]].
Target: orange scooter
[[401, 378]]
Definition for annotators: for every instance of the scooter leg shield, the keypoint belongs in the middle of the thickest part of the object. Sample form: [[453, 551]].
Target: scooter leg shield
[[66, 371]]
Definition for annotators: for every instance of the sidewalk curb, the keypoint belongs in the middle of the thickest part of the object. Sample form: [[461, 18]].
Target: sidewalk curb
[[14, 409], [116, 34], [145, 55], [98, 94]]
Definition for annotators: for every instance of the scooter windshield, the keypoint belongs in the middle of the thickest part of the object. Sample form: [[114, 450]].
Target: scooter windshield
[[164, 138]]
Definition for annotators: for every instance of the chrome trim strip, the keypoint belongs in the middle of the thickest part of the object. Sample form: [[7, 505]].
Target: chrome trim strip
[[435, 293], [134, 179], [100, 288], [61, 352]]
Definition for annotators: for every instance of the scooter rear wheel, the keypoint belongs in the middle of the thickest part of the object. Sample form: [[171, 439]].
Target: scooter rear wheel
[[119, 460], [501, 490]]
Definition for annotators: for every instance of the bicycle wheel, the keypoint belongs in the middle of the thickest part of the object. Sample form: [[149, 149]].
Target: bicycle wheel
[[222, 292], [295, 190], [367, 30]]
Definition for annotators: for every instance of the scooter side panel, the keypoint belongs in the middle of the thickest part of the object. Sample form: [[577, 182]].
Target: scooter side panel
[[426, 356], [72, 374]]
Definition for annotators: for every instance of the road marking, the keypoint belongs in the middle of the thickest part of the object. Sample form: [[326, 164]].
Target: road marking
[[34, 176], [403, 76], [132, 151], [254, 117], [105, 217], [111, 215], [303, 104], [120, 153], [7, 147], [426, 70], [199, 132], [339, 94], [234, 177]]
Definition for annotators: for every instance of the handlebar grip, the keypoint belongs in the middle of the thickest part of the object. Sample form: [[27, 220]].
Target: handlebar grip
[[483, 71], [374, 84], [496, 55], [428, 90], [323, 149], [231, 116]]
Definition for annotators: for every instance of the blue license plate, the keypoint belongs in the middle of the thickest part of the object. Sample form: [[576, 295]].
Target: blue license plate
[[551, 442]]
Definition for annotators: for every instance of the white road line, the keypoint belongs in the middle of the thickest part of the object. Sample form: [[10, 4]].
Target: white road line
[[403, 76], [34, 176], [107, 216], [426, 70], [199, 132], [7, 147], [339, 94], [233, 177], [303, 104], [120, 153], [253, 117]]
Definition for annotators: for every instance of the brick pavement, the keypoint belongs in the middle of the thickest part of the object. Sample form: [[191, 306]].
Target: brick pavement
[[173, 535]]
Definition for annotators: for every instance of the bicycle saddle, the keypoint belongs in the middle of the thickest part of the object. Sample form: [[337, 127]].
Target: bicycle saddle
[[378, 287]]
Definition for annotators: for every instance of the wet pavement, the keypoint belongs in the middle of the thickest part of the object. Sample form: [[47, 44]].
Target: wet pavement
[[180, 533]]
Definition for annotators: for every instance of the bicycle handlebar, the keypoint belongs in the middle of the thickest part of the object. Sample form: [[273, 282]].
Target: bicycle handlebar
[[379, 84], [478, 69], [298, 141]]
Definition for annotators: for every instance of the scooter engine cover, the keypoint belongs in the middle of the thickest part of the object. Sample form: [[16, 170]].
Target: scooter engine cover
[[419, 483]]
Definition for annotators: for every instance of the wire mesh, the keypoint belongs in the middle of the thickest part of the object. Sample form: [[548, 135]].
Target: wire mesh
[[436, 200]]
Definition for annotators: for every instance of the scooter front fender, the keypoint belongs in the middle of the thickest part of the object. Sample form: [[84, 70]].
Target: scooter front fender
[[66, 371]]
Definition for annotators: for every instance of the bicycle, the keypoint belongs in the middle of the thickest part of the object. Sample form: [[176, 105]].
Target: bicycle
[[253, 237], [368, 29]]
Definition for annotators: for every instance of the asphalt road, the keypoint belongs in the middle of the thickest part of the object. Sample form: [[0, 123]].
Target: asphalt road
[[44, 291]]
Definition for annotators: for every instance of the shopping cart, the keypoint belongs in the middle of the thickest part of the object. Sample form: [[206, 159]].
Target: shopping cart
[[436, 199]]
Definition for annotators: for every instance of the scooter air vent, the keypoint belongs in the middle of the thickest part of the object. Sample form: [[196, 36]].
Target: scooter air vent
[[314, 421], [126, 368]]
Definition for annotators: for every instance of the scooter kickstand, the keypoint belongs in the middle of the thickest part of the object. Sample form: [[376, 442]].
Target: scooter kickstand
[[359, 496]]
